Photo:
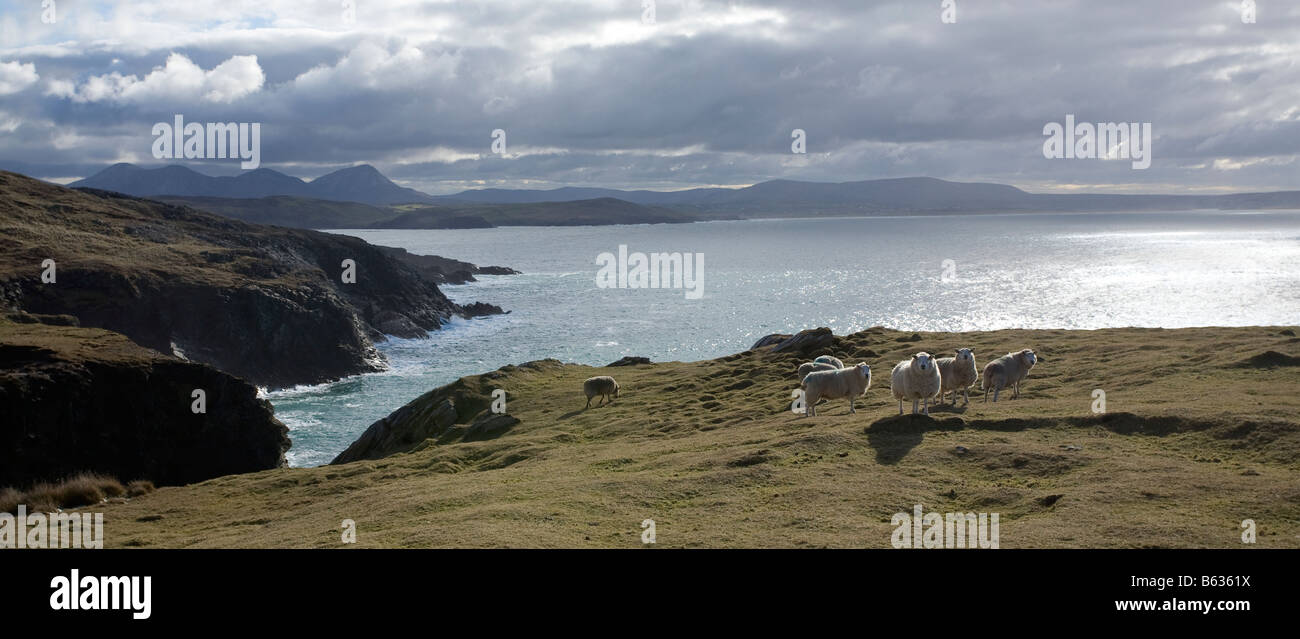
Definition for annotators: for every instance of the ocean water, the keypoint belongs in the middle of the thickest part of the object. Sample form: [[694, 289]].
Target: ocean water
[[931, 273]]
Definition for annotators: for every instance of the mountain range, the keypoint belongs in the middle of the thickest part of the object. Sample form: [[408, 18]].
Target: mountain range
[[488, 207]]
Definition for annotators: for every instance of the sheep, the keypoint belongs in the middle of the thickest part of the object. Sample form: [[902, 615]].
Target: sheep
[[1006, 371], [809, 367], [916, 379], [958, 373], [604, 386], [850, 382], [827, 359]]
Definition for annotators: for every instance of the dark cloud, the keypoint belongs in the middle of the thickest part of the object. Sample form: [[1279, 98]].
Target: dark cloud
[[709, 94]]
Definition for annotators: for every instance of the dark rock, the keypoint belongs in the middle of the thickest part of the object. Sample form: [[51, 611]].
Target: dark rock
[[629, 361], [79, 399], [490, 426], [806, 340], [769, 340], [481, 309]]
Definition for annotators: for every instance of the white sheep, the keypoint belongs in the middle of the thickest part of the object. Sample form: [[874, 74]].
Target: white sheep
[[1008, 371], [604, 386], [850, 382], [958, 373], [827, 359], [809, 367], [916, 379]]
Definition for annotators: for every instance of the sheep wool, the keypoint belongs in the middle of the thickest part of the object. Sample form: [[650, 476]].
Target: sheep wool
[[1007, 372], [850, 382], [809, 367], [916, 379], [958, 374], [827, 359], [603, 386]]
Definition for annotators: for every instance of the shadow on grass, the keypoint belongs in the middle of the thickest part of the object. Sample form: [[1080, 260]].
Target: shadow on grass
[[895, 436]]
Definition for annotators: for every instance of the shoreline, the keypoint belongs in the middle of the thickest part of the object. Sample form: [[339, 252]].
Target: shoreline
[[720, 430]]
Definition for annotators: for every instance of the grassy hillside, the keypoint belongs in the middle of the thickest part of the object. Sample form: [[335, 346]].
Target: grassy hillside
[[1202, 431]]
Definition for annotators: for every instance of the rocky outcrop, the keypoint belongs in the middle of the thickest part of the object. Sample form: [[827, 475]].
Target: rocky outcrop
[[444, 270], [78, 399], [459, 411], [629, 360], [272, 305], [805, 341]]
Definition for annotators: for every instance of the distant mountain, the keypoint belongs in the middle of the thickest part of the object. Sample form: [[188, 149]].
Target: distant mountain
[[893, 195], [362, 184], [299, 212], [597, 211]]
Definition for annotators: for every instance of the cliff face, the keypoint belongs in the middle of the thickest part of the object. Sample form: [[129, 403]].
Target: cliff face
[[268, 304], [76, 399]]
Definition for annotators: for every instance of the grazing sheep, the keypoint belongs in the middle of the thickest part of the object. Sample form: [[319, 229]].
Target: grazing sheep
[[809, 367], [604, 386], [827, 359], [916, 379], [850, 382], [958, 373], [1007, 371]]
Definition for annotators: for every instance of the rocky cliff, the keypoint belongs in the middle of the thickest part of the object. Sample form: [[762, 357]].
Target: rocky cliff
[[273, 305], [80, 399]]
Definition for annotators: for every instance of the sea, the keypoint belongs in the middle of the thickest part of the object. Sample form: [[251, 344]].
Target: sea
[[756, 277]]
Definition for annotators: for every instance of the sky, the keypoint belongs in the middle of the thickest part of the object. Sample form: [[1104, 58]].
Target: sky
[[680, 94]]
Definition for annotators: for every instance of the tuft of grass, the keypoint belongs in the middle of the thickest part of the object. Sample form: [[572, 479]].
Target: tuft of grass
[[9, 499], [82, 489], [139, 487]]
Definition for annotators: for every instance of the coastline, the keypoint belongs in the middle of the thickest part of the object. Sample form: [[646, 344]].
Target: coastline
[[711, 451]]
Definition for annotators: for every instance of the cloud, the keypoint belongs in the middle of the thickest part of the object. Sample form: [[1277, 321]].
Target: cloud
[[178, 80], [16, 76], [707, 94]]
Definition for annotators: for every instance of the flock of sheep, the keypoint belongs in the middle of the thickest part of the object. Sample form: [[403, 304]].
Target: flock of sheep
[[921, 379]]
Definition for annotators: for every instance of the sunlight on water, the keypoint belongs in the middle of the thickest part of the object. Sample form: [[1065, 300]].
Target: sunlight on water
[[766, 276]]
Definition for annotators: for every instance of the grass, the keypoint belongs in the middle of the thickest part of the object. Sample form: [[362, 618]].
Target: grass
[[1199, 434], [82, 489]]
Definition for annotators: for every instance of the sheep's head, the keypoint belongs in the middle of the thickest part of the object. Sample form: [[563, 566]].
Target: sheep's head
[[923, 360], [965, 355], [1028, 357], [864, 370], [615, 389]]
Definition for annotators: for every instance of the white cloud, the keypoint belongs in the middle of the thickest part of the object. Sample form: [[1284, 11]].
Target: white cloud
[[16, 76], [179, 79]]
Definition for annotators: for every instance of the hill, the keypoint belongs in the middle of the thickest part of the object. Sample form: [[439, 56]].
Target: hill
[[264, 303], [311, 213], [1202, 430], [361, 183], [500, 207]]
